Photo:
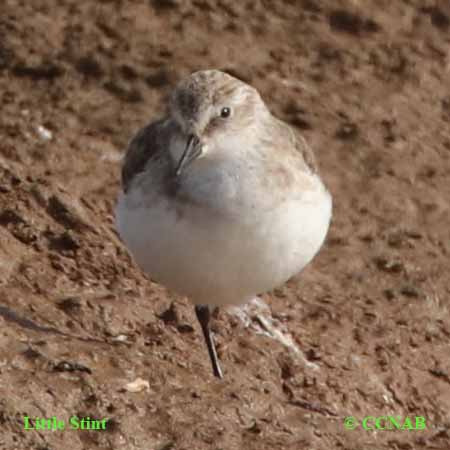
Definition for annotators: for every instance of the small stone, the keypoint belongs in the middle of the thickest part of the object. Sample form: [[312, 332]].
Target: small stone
[[70, 304], [67, 366], [137, 385], [410, 291], [388, 265], [44, 133]]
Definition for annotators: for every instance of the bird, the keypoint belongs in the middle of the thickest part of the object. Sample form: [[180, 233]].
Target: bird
[[220, 200]]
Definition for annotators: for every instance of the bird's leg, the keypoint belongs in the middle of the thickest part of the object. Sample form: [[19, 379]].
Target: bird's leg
[[203, 315]]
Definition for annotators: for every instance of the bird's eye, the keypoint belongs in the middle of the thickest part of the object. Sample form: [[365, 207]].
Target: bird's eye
[[225, 112]]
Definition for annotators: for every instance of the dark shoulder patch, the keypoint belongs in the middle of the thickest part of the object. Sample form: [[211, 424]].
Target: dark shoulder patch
[[143, 146]]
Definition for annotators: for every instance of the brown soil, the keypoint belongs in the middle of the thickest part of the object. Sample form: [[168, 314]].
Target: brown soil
[[369, 88]]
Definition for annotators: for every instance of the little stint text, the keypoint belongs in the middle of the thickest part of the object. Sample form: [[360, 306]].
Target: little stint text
[[74, 423]]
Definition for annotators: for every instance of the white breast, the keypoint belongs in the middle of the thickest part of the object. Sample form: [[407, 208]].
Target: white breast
[[213, 259]]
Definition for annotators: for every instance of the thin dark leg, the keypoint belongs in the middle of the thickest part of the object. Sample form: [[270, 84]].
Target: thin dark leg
[[203, 316]]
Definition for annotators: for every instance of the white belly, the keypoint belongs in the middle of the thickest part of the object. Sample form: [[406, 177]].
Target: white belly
[[213, 260]]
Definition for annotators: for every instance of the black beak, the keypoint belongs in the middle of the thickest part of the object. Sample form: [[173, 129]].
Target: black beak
[[191, 152]]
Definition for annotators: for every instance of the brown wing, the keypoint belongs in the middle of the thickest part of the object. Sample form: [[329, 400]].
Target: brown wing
[[294, 140], [306, 151], [145, 145]]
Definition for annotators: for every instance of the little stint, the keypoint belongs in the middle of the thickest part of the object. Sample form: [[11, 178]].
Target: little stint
[[221, 201]]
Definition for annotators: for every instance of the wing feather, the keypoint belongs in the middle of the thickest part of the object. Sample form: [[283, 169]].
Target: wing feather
[[148, 143]]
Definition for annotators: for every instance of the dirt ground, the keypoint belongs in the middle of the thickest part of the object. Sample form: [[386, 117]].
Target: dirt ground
[[368, 84]]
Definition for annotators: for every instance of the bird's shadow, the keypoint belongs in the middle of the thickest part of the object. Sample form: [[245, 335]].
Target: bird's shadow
[[13, 317]]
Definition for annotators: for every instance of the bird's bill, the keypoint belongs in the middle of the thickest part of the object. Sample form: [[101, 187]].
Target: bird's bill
[[192, 151]]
